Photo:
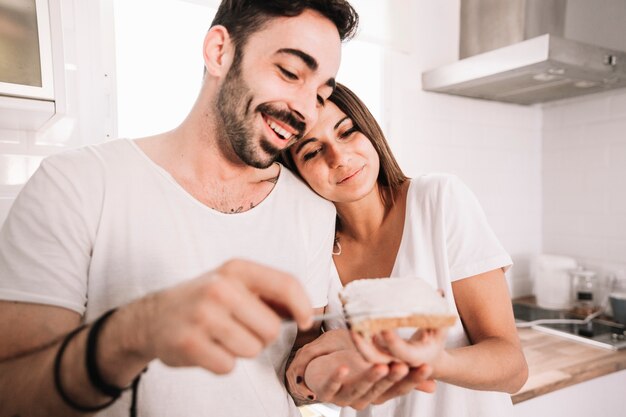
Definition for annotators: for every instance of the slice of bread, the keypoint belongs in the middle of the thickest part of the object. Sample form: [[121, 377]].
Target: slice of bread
[[372, 305]]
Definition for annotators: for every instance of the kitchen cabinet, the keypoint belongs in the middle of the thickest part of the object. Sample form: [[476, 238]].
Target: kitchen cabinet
[[603, 396], [570, 379], [27, 84]]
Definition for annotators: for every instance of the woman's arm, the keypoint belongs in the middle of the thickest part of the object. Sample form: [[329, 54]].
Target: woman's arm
[[494, 361]]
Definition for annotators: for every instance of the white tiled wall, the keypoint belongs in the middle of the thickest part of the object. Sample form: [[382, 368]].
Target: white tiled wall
[[584, 176], [495, 148]]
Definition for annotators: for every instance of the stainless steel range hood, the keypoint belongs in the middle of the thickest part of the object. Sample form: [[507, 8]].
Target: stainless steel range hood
[[532, 70]]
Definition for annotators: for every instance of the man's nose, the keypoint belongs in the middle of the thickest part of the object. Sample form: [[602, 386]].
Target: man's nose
[[305, 105]]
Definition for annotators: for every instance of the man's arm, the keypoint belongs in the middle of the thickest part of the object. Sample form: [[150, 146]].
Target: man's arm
[[198, 323]]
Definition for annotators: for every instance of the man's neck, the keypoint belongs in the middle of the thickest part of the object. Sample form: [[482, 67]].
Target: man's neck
[[195, 161]]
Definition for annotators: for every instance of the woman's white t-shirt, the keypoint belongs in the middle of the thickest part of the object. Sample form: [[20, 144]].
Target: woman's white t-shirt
[[446, 238]]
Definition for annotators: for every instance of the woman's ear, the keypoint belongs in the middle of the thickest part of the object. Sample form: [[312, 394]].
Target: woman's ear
[[218, 51]]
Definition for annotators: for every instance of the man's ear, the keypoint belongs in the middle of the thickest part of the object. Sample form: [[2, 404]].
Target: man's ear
[[218, 51]]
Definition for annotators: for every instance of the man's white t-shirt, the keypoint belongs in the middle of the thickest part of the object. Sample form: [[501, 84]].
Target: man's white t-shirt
[[446, 238], [98, 227]]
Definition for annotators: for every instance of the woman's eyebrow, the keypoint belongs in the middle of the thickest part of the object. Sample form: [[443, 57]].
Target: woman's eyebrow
[[303, 143], [340, 122]]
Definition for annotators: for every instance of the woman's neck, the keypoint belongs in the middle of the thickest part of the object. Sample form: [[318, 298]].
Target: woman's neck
[[360, 220]]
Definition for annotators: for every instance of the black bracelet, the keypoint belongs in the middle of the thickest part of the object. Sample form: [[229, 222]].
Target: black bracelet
[[95, 377], [57, 377]]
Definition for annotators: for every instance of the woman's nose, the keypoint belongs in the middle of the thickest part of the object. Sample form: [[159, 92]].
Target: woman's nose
[[335, 157]]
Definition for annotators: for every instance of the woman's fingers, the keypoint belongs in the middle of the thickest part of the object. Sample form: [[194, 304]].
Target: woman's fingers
[[424, 347], [397, 372], [417, 379], [329, 342], [352, 391], [333, 385], [369, 351]]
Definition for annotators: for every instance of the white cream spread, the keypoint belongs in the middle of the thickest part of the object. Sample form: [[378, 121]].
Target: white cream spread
[[391, 297]]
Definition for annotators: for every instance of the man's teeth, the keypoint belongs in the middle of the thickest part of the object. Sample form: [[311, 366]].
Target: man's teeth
[[279, 130]]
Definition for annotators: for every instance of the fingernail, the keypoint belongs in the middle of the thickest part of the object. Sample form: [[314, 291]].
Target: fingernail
[[298, 380], [311, 397]]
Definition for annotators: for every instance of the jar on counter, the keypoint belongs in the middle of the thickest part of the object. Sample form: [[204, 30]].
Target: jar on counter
[[584, 285]]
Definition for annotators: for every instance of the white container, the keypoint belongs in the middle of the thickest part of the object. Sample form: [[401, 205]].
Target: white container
[[552, 282]]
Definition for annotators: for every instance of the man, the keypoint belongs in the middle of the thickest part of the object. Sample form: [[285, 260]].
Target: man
[[136, 225]]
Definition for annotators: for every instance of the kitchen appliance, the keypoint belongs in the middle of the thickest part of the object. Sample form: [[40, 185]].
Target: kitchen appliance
[[552, 282], [618, 306], [617, 297], [534, 51], [598, 332]]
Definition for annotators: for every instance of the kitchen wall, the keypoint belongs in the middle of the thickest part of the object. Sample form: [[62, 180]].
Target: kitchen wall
[[495, 148], [548, 177], [584, 171]]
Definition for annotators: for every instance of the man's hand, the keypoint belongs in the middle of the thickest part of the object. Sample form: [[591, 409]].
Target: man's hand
[[233, 311]]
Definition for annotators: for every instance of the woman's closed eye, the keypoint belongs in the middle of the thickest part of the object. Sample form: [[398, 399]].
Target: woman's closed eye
[[311, 154], [348, 132]]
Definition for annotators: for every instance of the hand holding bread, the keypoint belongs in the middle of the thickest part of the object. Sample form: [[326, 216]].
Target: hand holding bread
[[393, 303]]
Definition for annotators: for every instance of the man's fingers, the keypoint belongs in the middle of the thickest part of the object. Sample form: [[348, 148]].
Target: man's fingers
[[198, 350], [257, 317], [278, 288], [429, 386], [236, 337]]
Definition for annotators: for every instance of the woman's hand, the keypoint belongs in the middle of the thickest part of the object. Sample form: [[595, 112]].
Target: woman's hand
[[345, 378], [331, 369], [329, 342], [424, 347]]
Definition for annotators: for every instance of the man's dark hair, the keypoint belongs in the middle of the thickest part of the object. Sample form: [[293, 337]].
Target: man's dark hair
[[243, 17]]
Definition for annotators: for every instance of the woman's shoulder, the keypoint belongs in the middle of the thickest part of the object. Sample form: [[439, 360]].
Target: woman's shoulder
[[434, 185]]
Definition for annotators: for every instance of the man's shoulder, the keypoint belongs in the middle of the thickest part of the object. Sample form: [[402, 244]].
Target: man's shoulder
[[89, 154], [298, 189]]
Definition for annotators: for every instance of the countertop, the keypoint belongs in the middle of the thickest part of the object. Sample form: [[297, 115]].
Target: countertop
[[555, 362]]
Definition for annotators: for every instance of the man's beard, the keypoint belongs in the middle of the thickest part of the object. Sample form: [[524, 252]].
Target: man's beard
[[233, 108]]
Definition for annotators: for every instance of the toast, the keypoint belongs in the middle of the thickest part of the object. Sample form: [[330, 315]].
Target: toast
[[373, 305]]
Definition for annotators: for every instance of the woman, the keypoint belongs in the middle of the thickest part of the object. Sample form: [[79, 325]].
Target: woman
[[430, 227]]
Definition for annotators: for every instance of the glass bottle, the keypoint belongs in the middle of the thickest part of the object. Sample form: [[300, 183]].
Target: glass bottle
[[584, 291]]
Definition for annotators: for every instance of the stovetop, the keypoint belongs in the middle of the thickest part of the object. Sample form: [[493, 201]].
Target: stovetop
[[598, 332]]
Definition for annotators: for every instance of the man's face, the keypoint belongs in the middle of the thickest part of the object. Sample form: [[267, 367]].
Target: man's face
[[271, 96]]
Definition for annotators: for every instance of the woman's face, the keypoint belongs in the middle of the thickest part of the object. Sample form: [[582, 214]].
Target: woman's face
[[337, 161]]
